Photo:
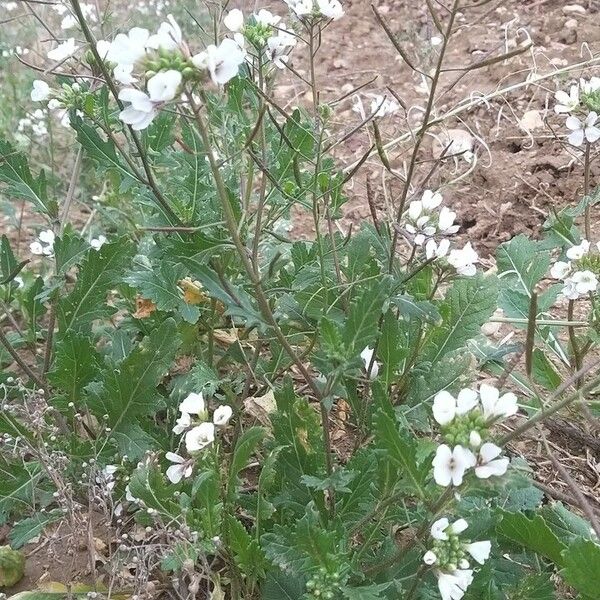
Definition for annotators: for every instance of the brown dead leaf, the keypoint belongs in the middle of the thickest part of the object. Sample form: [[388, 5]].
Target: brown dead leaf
[[261, 407], [193, 292], [144, 308]]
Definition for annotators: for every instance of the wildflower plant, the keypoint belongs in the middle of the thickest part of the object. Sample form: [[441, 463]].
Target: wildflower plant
[[143, 343]]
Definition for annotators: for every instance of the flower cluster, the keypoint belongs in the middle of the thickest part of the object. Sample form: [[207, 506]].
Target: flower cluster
[[166, 62], [35, 122], [465, 426], [69, 21], [68, 96], [264, 31], [581, 104], [199, 432], [449, 557], [579, 272], [317, 9], [44, 245], [424, 221]]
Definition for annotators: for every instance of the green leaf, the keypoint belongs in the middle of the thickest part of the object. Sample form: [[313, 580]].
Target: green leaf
[[103, 152], [76, 363], [581, 561], [247, 553], [206, 494], [18, 487], [148, 484], [390, 348], [401, 450], [160, 134], [8, 262], [159, 284], [282, 586], [129, 392], [98, 274], [14, 171], [521, 264], [534, 534], [566, 525], [469, 303], [27, 529], [58, 591], [244, 449], [176, 559], [360, 327], [69, 249], [543, 371]]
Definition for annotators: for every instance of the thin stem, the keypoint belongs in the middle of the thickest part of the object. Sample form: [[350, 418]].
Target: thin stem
[[573, 338], [420, 136], [586, 191], [15, 355]]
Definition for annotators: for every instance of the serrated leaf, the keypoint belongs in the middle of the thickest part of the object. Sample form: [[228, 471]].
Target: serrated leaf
[[366, 592], [566, 525], [148, 484], [360, 327], [244, 448], [581, 561], [206, 494], [469, 303], [14, 171], [76, 363], [246, 551], [390, 348], [69, 249], [532, 533], [534, 587], [102, 151], [8, 262], [401, 450], [99, 273], [159, 284], [27, 529], [521, 264], [129, 392]]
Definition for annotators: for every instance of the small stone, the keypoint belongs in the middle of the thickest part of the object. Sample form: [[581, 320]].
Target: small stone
[[574, 9], [571, 24]]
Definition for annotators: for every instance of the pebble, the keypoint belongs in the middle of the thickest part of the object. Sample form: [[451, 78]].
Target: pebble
[[574, 9], [571, 24]]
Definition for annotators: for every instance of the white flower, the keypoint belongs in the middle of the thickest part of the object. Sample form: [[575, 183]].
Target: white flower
[[474, 439], [480, 551], [446, 221], [44, 245], [429, 557], [199, 437], [223, 61], [450, 465], [193, 404], [143, 107], [566, 103], [68, 22], [168, 37], [464, 260], [124, 74], [579, 251], [435, 250], [278, 47], [301, 8], [40, 91], [183, 422], [182, 467], [266, 17], [560, 269], [580, 284], [446, 406], [495, 406], [332, 9], [458, 526], [583, 130], [126, 48], [129, 496], [431, 200], [222, 415], [488, 463], [98, 242], [590, 86], [367, 357], [234, 20], [452, 586], [63, 51], [438, 529]]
